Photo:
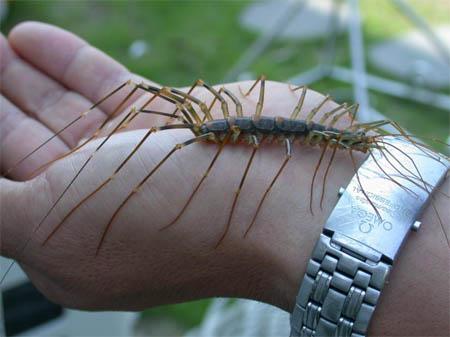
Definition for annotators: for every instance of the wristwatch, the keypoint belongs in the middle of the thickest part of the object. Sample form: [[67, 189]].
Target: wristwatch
[[360, 240]]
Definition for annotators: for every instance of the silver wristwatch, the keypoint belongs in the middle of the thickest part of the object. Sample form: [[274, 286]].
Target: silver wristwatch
[[360, 240]]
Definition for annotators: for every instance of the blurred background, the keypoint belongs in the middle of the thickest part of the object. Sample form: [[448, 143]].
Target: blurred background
[[392, 56]]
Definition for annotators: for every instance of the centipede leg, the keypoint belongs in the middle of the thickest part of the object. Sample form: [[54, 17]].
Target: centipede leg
[[316, 170], [238, 191], [260, 103], [146, 178], [322, 195], [300, 102], [283, 165], [317, 108], [110, 178], [360, 184], [82, 115], [191, 89], [197, 187]]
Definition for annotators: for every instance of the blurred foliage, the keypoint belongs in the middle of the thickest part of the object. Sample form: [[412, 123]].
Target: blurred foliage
[[203, 39]]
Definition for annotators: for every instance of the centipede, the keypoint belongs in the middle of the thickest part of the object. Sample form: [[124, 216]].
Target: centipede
[[252, 128]]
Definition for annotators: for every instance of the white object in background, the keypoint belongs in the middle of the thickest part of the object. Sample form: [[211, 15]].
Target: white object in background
[[310, 23], [414, 58], [243, 318], [72, 323]]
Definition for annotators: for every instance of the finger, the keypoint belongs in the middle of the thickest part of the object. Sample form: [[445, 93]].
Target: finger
[[19, 136], [71, 61], [44, 99]]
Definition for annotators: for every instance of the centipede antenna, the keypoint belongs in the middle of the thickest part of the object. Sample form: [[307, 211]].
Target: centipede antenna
[[326, 175], [143, 181], [314, 177], [283, 165], [403, 175], [238, 191], [406, 189], [440, 220], [83, 114], [299, 105], [316, 109], [361, 186], [197, 187], [413, 163]]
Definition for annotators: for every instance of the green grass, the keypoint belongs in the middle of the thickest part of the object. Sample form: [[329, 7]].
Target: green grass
[[202, 39]]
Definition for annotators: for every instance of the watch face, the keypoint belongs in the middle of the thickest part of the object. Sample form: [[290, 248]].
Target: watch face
[[380, 205]]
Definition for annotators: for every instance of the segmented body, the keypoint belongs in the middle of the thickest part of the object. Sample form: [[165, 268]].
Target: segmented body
[[252, 129], [243, 129]]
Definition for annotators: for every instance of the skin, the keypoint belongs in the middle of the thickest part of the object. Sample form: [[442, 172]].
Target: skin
[[44, 86]]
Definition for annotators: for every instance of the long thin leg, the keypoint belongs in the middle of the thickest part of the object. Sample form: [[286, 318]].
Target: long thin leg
[[208, 170], [311, 192], [191, 89], [299, 105], [110, 178], [238, 191], [260, 103], [322, 195], [146, 178], [100, 128], [361, 186], [316, 109], [82, 115], [36, 228], [332, 112], [283, 165], [237, 103], [349, 110]]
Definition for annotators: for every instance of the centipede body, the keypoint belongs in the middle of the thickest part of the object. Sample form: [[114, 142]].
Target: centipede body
[[253, 129]]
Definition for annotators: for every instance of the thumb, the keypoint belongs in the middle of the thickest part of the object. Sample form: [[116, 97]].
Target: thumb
[[16, 208]]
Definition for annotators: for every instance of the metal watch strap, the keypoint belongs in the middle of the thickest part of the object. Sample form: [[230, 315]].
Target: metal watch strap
[[353, 256]]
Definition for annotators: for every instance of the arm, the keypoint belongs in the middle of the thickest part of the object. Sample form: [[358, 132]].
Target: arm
[[139, 266]]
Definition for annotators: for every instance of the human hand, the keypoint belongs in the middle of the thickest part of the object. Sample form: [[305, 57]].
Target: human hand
[[139, 266]]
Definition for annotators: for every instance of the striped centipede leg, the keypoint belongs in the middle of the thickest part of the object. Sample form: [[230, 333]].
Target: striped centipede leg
[[146, 178], [260, 103], [235, 100], [189, 92], [322, 195], [118, 108], [82, 115], [360, 184], [335, 145], [238, 191], [37, 227], [110, 178], [283, 165], [300, 102], [197, 187], [316, 109], [316, 170]]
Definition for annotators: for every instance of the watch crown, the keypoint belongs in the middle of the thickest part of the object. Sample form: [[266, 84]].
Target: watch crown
[[341, 191], [415, 226]]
